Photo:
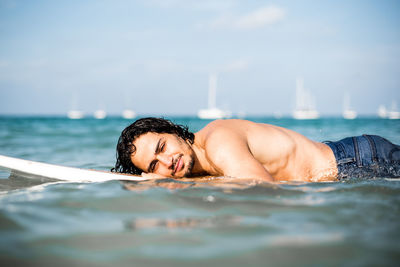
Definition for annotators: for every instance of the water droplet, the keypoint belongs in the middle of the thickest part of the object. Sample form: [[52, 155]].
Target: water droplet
[[210, 198]]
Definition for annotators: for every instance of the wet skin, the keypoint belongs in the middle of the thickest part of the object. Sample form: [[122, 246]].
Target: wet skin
[[236, 148]]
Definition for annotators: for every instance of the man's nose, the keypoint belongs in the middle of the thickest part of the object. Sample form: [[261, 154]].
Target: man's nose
[[165, 159]]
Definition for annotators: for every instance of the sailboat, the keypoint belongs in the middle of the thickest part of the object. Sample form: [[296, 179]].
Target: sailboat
[[305, 107], [382, 112], [348, 113], [212, 112], [128, 114], [99, 114], [393, 113], [74, 113]]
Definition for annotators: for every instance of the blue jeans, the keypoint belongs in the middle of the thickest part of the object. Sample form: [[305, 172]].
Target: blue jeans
[[366, 156]]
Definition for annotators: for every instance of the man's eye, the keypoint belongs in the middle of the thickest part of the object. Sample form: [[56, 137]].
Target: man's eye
[[162, 147], [153, 166]]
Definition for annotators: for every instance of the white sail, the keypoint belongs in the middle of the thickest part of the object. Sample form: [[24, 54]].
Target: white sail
[[74, 113], [212, 112], [305, 103], [128, 114], [100, 114], [394, 113], [382, 112], [348, 112]]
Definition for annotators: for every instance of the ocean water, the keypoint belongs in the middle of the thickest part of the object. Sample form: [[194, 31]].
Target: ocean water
[[175, 223]]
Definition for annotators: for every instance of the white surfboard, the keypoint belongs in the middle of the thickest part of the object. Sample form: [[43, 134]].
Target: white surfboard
[[38, 169]]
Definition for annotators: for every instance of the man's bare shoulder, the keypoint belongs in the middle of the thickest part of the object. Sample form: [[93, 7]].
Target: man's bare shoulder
[[219, 129], [236, 127], [224, 135]]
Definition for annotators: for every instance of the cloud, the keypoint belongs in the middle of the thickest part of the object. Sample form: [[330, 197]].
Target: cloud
[[256, 19], [261, 17]]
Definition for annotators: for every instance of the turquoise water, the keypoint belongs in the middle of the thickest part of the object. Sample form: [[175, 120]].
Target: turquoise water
[[352, 223]]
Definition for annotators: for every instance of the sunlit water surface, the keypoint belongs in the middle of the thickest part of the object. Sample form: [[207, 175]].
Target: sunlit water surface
[[180, 223]]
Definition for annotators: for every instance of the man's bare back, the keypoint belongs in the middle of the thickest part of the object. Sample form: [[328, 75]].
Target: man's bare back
[[240, 148]]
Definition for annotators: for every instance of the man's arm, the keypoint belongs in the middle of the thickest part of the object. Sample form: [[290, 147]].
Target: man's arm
[[229, 153]]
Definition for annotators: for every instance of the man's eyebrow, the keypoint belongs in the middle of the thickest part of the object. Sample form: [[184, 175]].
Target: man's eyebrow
[[149, 168]]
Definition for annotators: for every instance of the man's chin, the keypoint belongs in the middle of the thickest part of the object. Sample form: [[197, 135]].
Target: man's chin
[[189, 170]]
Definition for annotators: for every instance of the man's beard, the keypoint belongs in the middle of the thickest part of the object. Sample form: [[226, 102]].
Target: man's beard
[[190, 165]]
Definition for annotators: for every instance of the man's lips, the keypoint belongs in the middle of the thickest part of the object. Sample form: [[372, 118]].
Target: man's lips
[[178, 164]]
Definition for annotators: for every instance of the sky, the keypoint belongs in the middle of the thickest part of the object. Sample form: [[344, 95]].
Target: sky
[[155, 56]]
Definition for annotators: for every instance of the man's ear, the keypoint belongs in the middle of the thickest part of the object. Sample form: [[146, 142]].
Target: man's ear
[[189, 142]]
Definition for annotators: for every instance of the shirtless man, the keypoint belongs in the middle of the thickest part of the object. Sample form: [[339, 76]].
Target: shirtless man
[[243, 149]]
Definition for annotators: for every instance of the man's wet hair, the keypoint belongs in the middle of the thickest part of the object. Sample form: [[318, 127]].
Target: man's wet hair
[[125, 146]]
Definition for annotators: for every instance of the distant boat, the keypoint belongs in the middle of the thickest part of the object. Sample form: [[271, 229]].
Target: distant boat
[[348, 112], [99, 114], [393, 113], [128, 114], [382, 112], [305, 106], [75, 114], [212, 112]]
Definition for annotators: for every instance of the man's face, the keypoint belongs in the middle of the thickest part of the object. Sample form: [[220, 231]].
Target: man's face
[[165, 154]]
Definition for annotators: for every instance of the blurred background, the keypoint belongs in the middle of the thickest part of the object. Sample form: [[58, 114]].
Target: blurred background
[[156, 56], [266, 61]]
